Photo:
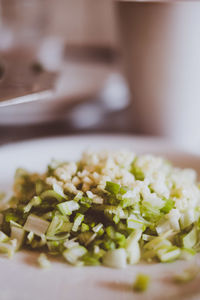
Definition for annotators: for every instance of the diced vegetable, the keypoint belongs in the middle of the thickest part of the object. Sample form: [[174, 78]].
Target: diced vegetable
[[17, 233], [72, 255], [141, 283], [77, 221], [190, 239], [133, 248], [43, 261], [8, 247], [36, 224], [115, 258], [67, 207], [111, 208], [112, 187], [3, 237], [169, 204]]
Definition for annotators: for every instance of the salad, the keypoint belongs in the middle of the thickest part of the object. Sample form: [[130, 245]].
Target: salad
[[111, 208]]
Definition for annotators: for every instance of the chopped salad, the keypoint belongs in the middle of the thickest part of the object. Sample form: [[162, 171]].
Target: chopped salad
[[111, 208]]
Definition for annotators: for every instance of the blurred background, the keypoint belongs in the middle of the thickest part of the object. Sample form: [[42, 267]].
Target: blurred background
[[72, 67], [60, 69]]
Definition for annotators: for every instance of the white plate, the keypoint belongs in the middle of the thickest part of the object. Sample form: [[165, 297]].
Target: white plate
[[21, 279]]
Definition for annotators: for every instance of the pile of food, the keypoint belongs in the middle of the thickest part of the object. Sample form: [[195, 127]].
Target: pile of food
[[114, 208]]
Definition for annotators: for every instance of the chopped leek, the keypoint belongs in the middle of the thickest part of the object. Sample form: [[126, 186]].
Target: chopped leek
[[8, 247], [36, 224], [3, 237], [67, 207], [111, 208], [169, 204], [43, 261], [190, 239], [18, 234], [115, 258], [141, 283], [73, 255], [133, 248], [77, 221], [112, 187]]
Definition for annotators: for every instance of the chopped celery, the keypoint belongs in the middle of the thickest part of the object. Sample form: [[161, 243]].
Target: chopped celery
[[190, 239], [67, 207], [97, 228], [169, 204], [36, 224], [187, 254], [137, 172], [84, 227], [90, 259], [8, 247], [35, 201], [166, 255], [77, 221], [109, 208], [71, 243], [52, 195], [57, 188], [18, 234], [133, 248], [141, 283], [86, 237], [72, 255], [112, 187], [43, 261], [3, 237], [59, 224], [135, 223], [115, 258], [30, 237]]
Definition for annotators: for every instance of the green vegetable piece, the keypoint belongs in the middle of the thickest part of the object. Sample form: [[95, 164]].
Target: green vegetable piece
[[43, 261], [35, 201], [77, 221], [87, 202], [18, 234], [112, 187], [3, 237], [169, 204], [141, 283], [51, 194], [168, 255], [36, 224], [90, 259], [84, 227], [72, 255], [67, 207], [115, 258], [110, 232], [8, 247], [11, 217], [137, 172], [190, 239]]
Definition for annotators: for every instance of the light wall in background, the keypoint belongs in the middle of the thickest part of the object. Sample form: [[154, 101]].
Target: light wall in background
[[83, 22]]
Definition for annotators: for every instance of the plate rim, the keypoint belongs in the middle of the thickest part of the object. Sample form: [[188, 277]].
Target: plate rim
[[164, 142]]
